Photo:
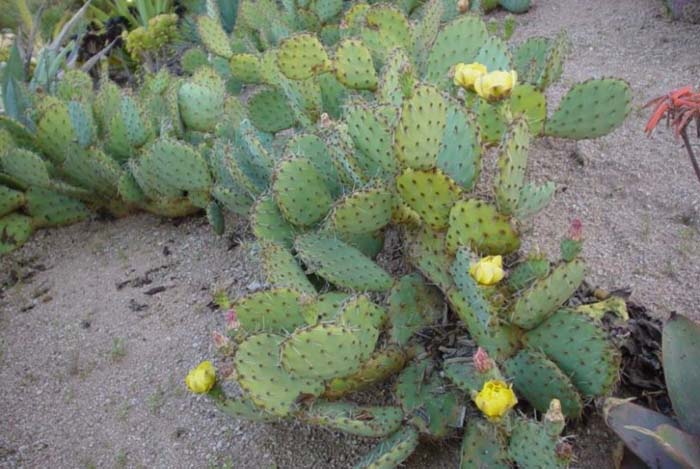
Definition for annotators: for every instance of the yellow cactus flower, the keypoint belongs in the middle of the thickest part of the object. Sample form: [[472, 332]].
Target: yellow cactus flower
[[488, 271], [496, 85], [495, 399], [467, 74], [200, 380]]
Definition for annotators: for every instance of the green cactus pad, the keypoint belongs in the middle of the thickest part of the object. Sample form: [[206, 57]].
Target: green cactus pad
[[55, 135], [129, 190], [15, 230], [554, 61], [500, 340], [539, 380], [397, 71], [424, 394], [215, 217], [282, 270], [491, 119], [462, 373], [325, 351], [315, 150], [681, 354], [413, 305], [327, 306], [479, 225], [527, 101], [201, 100], [326, 10], [424, 32], [10, 200], [534, 198], [302, 56], [427, 254], [267, 222], [243, 408], [525, 273], [213, 36], [430, 193], [192, 59], [48, 208], [529, 59], [386, 27], [75, 84], [579, 346], [136, 127], [459, 41], [512, 164], [391, 452], [341, 264], [591, 109], [278, 311], [169, 167], [494, 54], [381, 365], [300, 191], [354, 67], [460, 150], [350, 418], [546, 295], [25, 166], [360, 312], [420, 129], [532, 447], [483, 447], [261, 376], [83, 123], [363, 211], [333, 94], [470, 290], [246, 67], [270, 112], [372, 135], [93, 170], [234, 199]]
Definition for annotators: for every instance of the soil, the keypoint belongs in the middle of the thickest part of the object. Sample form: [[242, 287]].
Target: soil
[[100, 321]]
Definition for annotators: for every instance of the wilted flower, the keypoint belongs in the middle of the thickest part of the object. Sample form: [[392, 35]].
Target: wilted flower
[[576, 229], [200, 380], [495, 399], [482, 362], [488, 271], [496, 85], [467, 74], [220, 340]]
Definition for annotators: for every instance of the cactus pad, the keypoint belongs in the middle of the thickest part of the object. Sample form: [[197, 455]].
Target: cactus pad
[[49, 208], [363, 211], [327, 306], [492, 122], [477, 224], [430, 193], [15, 230], [483, 447], [213, 36], [373, 137], [277, 311], [246, 67], [324, 351], [529, 59], [341, 264], [270, 111], [531, 446], [396, 72], [354, 67], [427, 254], [391, 452], [462, 373], [512, 164], [470, 290], [300, 192], [261, 376], [25, 166], [534, 198], [459, 41], [527, 101], [351, 418], [170, 167], [382, 364], [420, 129], [460, 150], [494, 54], [360, 312], [546, 295], [591, 109], [525, 273], [539, 380], [302, 56], [282, 270], [580, 347], [267, 222], [413, 305], [10, 200]]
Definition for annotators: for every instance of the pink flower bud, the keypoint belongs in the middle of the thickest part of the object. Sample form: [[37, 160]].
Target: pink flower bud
[[232, 320], [482, 362], [576, 230], [220, 340]]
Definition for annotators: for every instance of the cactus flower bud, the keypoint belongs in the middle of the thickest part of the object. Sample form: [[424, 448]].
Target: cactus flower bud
[[495, 399], [488, 271], [220, 340], [482, 362], [201, 379], [576, 230], [232, 322], [496, 85], [467, 74], [463, 6]]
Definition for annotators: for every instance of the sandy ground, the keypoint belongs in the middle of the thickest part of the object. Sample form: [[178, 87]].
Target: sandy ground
[[99, 322]]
